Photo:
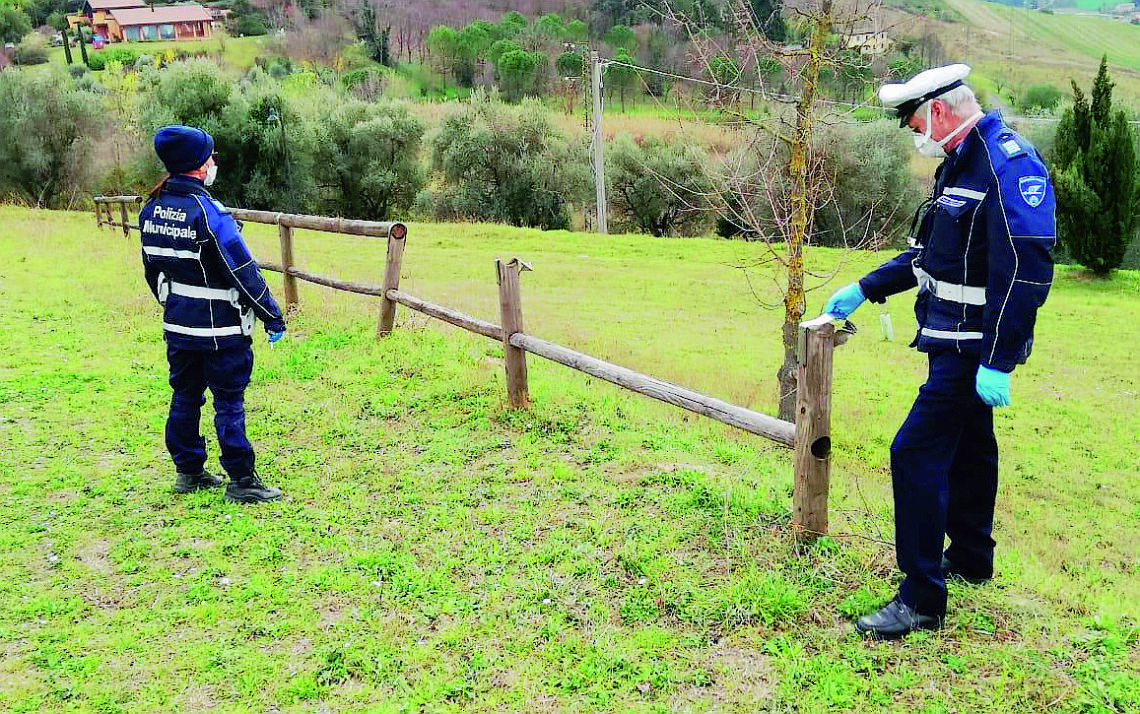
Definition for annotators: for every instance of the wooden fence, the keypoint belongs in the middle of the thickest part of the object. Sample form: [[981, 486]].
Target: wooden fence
[[809, 437]]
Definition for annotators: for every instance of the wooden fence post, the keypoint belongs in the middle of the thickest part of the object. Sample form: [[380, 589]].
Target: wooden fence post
[[510, 309], [285, 234], [98, 214], [813, 431], [123, 213], [396, 236]]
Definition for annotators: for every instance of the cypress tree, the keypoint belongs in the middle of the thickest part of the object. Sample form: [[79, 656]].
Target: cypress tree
[[1097, 179]]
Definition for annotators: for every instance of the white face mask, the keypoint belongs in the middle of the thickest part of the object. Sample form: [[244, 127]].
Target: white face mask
[[211, 174], [934, 149]]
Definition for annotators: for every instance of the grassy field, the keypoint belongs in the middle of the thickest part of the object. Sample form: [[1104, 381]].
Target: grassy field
[[1046, 49], [237, 53], [440, 552]]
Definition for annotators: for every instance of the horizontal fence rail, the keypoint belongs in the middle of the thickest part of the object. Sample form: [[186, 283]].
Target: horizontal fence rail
[[782, 432], [809, 436]]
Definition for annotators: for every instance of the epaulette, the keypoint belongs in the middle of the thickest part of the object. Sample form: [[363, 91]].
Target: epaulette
[[1010, 145]]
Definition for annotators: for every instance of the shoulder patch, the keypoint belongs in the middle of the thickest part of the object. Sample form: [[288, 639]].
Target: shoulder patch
[[1032, 189]]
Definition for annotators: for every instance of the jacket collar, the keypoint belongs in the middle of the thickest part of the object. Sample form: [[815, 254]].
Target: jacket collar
[[187, 185], [989, 124]]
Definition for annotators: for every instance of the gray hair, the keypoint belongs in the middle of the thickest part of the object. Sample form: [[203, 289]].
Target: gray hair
[[961, 101]]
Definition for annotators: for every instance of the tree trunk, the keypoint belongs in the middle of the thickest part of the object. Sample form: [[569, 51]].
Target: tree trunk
[[794, 301]]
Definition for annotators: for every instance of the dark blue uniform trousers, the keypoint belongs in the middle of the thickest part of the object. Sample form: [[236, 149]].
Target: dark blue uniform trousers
[[944, 472], [226, 373]]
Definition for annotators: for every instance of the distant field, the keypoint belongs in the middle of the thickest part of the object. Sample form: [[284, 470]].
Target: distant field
[[236, 52], [1046, 49], [439, 552]]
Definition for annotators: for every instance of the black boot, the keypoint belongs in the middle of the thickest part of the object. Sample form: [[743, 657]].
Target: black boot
[[185, 483], [250, 489], [894, 621]]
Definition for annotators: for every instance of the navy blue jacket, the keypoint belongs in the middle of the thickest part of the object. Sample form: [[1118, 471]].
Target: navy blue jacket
[[981, 256], [199, 268]]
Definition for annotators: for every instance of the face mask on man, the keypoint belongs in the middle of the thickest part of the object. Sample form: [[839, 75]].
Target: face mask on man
[[211, 174], [934, 149]]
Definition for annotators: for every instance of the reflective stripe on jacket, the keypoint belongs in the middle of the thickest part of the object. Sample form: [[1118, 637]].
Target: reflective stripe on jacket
[[199, 268], [982, 254]]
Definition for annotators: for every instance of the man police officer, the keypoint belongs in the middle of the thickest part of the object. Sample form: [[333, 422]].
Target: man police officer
[[210, 288], [980, 255]]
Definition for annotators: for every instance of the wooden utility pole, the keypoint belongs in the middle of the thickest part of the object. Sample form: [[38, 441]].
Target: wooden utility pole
[[597, 146]]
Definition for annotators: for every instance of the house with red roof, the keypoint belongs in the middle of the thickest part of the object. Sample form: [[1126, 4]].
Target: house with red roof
[[135, 21]]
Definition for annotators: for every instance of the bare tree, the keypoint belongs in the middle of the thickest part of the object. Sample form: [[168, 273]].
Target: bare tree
[[772, 190]]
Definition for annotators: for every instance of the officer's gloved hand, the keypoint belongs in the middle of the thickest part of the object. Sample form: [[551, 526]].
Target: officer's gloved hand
[[275, 335], [845, 301], [993, 386]]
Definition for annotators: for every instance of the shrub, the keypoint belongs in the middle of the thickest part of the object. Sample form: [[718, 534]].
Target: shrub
[[31, 51], [373, 159], [14, 24], [194, 92], [53, 122], [872, 194], [658, 187], [1041, 97], [867, 194], [1096, 175], [508, 164], [125, 56]]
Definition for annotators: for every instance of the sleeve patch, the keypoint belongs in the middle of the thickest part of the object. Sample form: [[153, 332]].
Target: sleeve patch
[[1032, 189]]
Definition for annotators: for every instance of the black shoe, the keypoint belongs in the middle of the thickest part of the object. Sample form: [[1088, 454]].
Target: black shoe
[[250, 489], [894, 621], [185, 483], [950, 571]]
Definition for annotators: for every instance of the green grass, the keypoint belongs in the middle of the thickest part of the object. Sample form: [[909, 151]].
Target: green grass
[[1047, 49], [440, 552], [237, 53]]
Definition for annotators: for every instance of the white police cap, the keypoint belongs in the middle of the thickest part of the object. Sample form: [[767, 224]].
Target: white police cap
[[924, 86]]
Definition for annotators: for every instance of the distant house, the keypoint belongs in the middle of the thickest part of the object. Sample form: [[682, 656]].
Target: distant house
[[869, 43], [166, 22], [1124, 8], [135, 21], [96, 14]]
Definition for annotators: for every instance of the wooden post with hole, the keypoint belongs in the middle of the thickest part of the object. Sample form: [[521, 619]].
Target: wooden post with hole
[[813, 431], [396, 239], [123, 214], [285, 234], [98, 214], [510, 310]]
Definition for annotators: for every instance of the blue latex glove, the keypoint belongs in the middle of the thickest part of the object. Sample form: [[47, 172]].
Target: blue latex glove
[[276, 335], [993, 386], [845, 302]]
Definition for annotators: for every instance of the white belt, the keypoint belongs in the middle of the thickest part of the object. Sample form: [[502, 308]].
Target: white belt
[[204, 331], [950, 335], [196, 291], [966, 294]]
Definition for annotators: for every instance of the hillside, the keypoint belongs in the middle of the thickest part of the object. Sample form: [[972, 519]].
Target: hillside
[[598, 553], [1046, 49]]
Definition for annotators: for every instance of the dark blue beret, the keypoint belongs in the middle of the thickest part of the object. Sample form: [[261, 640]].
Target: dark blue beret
[[182, 148]]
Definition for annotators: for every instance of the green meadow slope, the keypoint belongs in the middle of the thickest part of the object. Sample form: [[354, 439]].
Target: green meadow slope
[[440, 552], [1015, 48]]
